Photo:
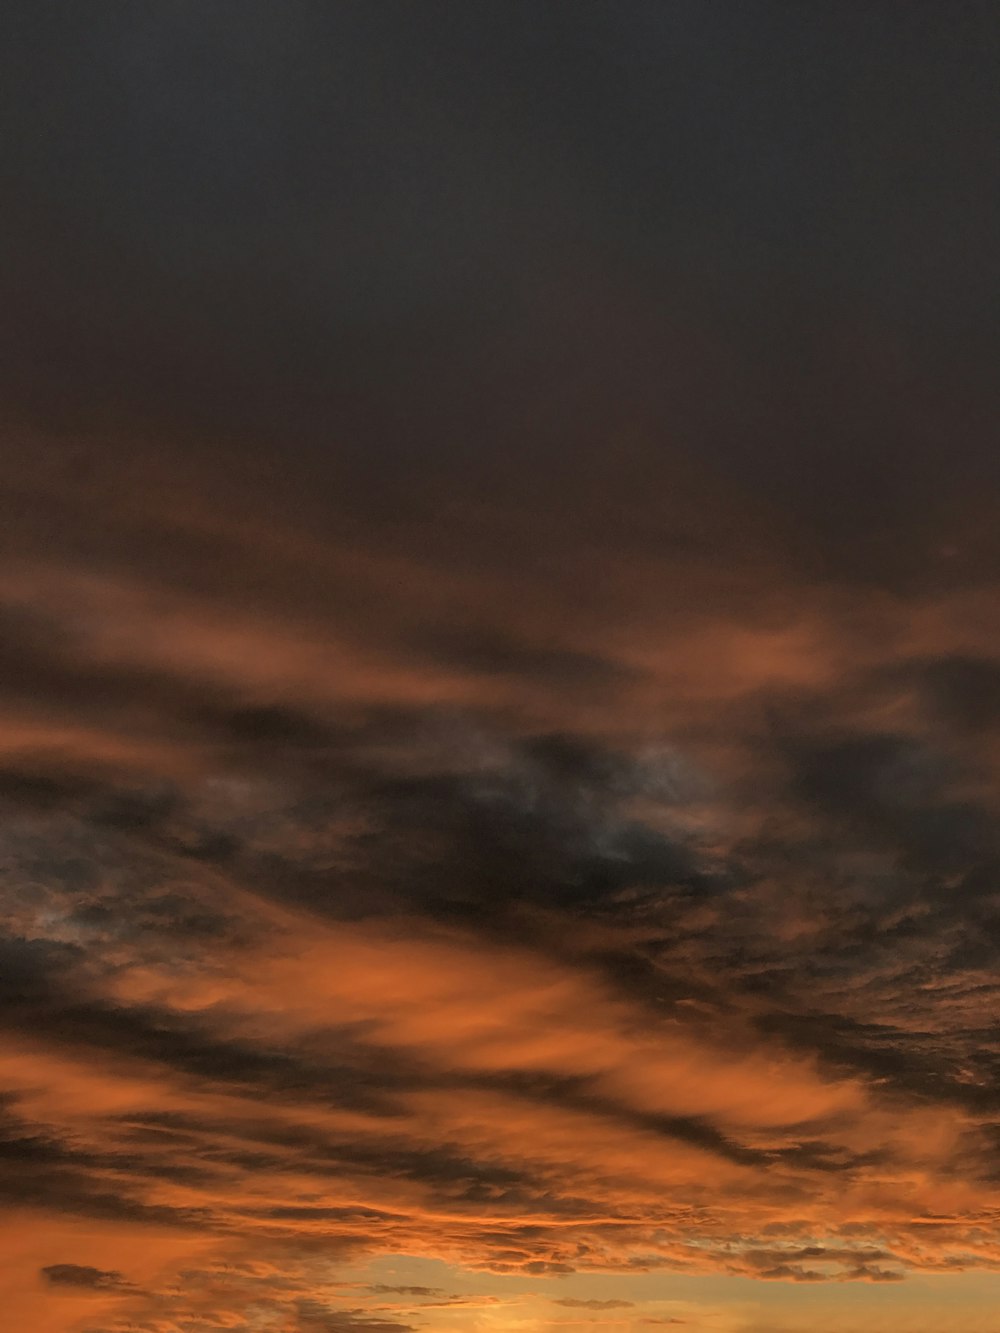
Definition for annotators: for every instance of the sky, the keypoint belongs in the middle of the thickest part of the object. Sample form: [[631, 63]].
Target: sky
[[500, 667]]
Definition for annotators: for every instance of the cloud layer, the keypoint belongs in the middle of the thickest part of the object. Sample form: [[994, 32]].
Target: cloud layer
[[318, 948], [499, 673]]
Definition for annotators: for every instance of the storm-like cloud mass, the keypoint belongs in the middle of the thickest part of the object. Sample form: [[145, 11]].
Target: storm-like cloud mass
[[499, 668]]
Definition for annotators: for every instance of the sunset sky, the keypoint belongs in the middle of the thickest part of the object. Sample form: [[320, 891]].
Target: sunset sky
[[500, 666]]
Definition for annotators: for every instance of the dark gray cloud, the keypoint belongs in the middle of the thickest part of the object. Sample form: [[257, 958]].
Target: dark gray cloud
[[574, 1303], [380, 1289], [963, 691], [82, 1276], [492, 654], [315, 1318]]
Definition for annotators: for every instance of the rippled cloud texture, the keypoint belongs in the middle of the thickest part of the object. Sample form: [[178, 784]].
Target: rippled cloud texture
[[500, 669]]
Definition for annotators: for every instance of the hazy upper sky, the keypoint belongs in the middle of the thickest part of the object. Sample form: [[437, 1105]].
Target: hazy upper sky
[[500, 666]]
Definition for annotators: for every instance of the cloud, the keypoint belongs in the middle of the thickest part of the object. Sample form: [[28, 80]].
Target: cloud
[[313, 1318], [80, 1275], [498, 687], [575, 1303], [380, 1289]]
